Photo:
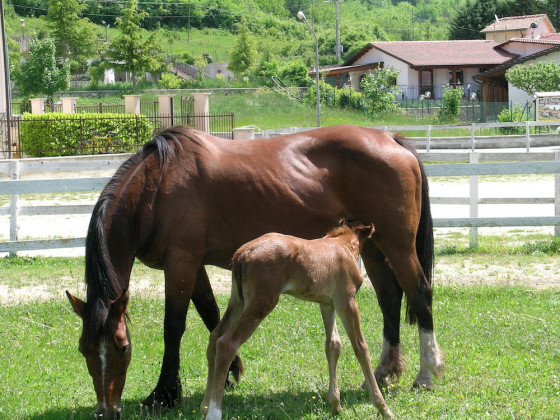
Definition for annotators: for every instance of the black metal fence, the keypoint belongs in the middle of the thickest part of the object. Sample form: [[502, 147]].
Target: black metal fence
[[80, 134]]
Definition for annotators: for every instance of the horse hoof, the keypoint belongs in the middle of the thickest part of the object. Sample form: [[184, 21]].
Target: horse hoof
[[423, 384], [162, 398]]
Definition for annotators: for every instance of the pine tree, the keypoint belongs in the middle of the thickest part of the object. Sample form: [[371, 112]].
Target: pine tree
[[244, 52]]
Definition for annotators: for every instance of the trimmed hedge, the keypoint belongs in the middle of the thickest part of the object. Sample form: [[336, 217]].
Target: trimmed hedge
[[57, 134]]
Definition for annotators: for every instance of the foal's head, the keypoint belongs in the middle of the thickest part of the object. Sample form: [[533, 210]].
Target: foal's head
[[105, 344], [353, 232]]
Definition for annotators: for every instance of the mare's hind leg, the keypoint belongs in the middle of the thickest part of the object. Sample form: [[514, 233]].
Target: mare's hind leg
[[350, 316], [389, 296], [332, 350], [418, 292]]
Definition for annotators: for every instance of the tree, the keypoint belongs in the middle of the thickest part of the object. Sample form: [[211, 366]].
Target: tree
[[380, 90], [75, 38], [473, 17], [539, 77], [244, 52], [132, 51], [39, 74]]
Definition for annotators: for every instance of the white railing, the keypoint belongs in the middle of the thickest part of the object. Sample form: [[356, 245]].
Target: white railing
[[12, 184]]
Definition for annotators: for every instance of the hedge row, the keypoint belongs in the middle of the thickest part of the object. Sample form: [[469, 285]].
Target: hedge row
[[57, 134]]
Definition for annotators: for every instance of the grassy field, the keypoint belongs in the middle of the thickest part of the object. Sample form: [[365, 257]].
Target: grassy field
[[501, 343]]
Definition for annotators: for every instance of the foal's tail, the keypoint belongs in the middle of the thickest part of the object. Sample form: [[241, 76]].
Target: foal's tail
[[425, 234]]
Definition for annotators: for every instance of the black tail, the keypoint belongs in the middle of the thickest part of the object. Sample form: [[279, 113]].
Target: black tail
[[425, 234]]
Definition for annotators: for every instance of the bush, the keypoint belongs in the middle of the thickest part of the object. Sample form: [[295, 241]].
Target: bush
[[514, 114], [450, 103], [380, 90], [57, 134]]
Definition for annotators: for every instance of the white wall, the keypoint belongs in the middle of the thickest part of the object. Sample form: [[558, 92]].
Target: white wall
[[376, 56]]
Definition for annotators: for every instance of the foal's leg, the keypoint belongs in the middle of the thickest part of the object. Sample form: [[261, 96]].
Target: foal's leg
[[233, 311], [389, 296], [227, 345], [418, 291], [208, 309], [350, 316], [332, 349]]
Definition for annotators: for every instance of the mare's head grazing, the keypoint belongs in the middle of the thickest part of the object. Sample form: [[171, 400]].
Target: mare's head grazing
[[105, 340]]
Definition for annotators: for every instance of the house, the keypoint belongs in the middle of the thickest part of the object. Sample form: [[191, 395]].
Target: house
[[477, 65], [531, 27], [427, 66]]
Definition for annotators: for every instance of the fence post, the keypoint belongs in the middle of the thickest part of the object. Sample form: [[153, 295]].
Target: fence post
[[473, 126], [38, 105], [201, 112], [165, 103], [557, 195], [473, 201], [528, 136], [132, 104], [14, 207], [68, 105], [428, 138]]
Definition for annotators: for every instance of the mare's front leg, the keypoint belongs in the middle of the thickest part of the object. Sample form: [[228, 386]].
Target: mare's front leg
[[180, 278], [333, 346]]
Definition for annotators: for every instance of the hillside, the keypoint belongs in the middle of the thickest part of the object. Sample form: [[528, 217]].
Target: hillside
[[206, 26]]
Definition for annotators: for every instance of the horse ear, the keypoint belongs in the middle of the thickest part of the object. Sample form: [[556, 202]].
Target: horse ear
[[366, 232], [119, 306], [78, 305]]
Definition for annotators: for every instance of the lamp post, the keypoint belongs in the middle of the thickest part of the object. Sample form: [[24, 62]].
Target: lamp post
[[106, 28], [301, 16], [5, 75], [22, 21]]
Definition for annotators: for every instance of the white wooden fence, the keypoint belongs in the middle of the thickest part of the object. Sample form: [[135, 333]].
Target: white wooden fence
[[54, 176]]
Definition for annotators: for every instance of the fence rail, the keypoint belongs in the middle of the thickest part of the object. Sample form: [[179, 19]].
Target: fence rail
[[11, 171]]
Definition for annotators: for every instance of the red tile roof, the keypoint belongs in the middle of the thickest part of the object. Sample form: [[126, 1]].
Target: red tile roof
[[513, 23], [440, 53], [553, 38]]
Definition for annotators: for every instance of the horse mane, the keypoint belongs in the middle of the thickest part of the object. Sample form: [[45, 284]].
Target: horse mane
[[102, 282]]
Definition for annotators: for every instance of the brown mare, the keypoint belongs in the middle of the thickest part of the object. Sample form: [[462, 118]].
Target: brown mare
[[321, 270], [188, 199]]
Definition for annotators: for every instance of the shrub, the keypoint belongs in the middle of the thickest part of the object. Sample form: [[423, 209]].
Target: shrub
[[169, 81], [450, 103], [380, 90], [513, 114], [57, 134]]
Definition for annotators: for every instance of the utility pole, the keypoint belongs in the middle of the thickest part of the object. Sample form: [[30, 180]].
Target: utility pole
[[337, 28], [5, 101]]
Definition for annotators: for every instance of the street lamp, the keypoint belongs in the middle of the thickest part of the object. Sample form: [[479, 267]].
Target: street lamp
[[22, 21], [301, 16], [106, 28]]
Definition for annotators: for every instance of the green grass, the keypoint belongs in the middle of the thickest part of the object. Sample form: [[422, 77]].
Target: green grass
[[501, 348]]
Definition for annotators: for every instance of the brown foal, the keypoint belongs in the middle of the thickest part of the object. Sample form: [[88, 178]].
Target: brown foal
[[323, 270]]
